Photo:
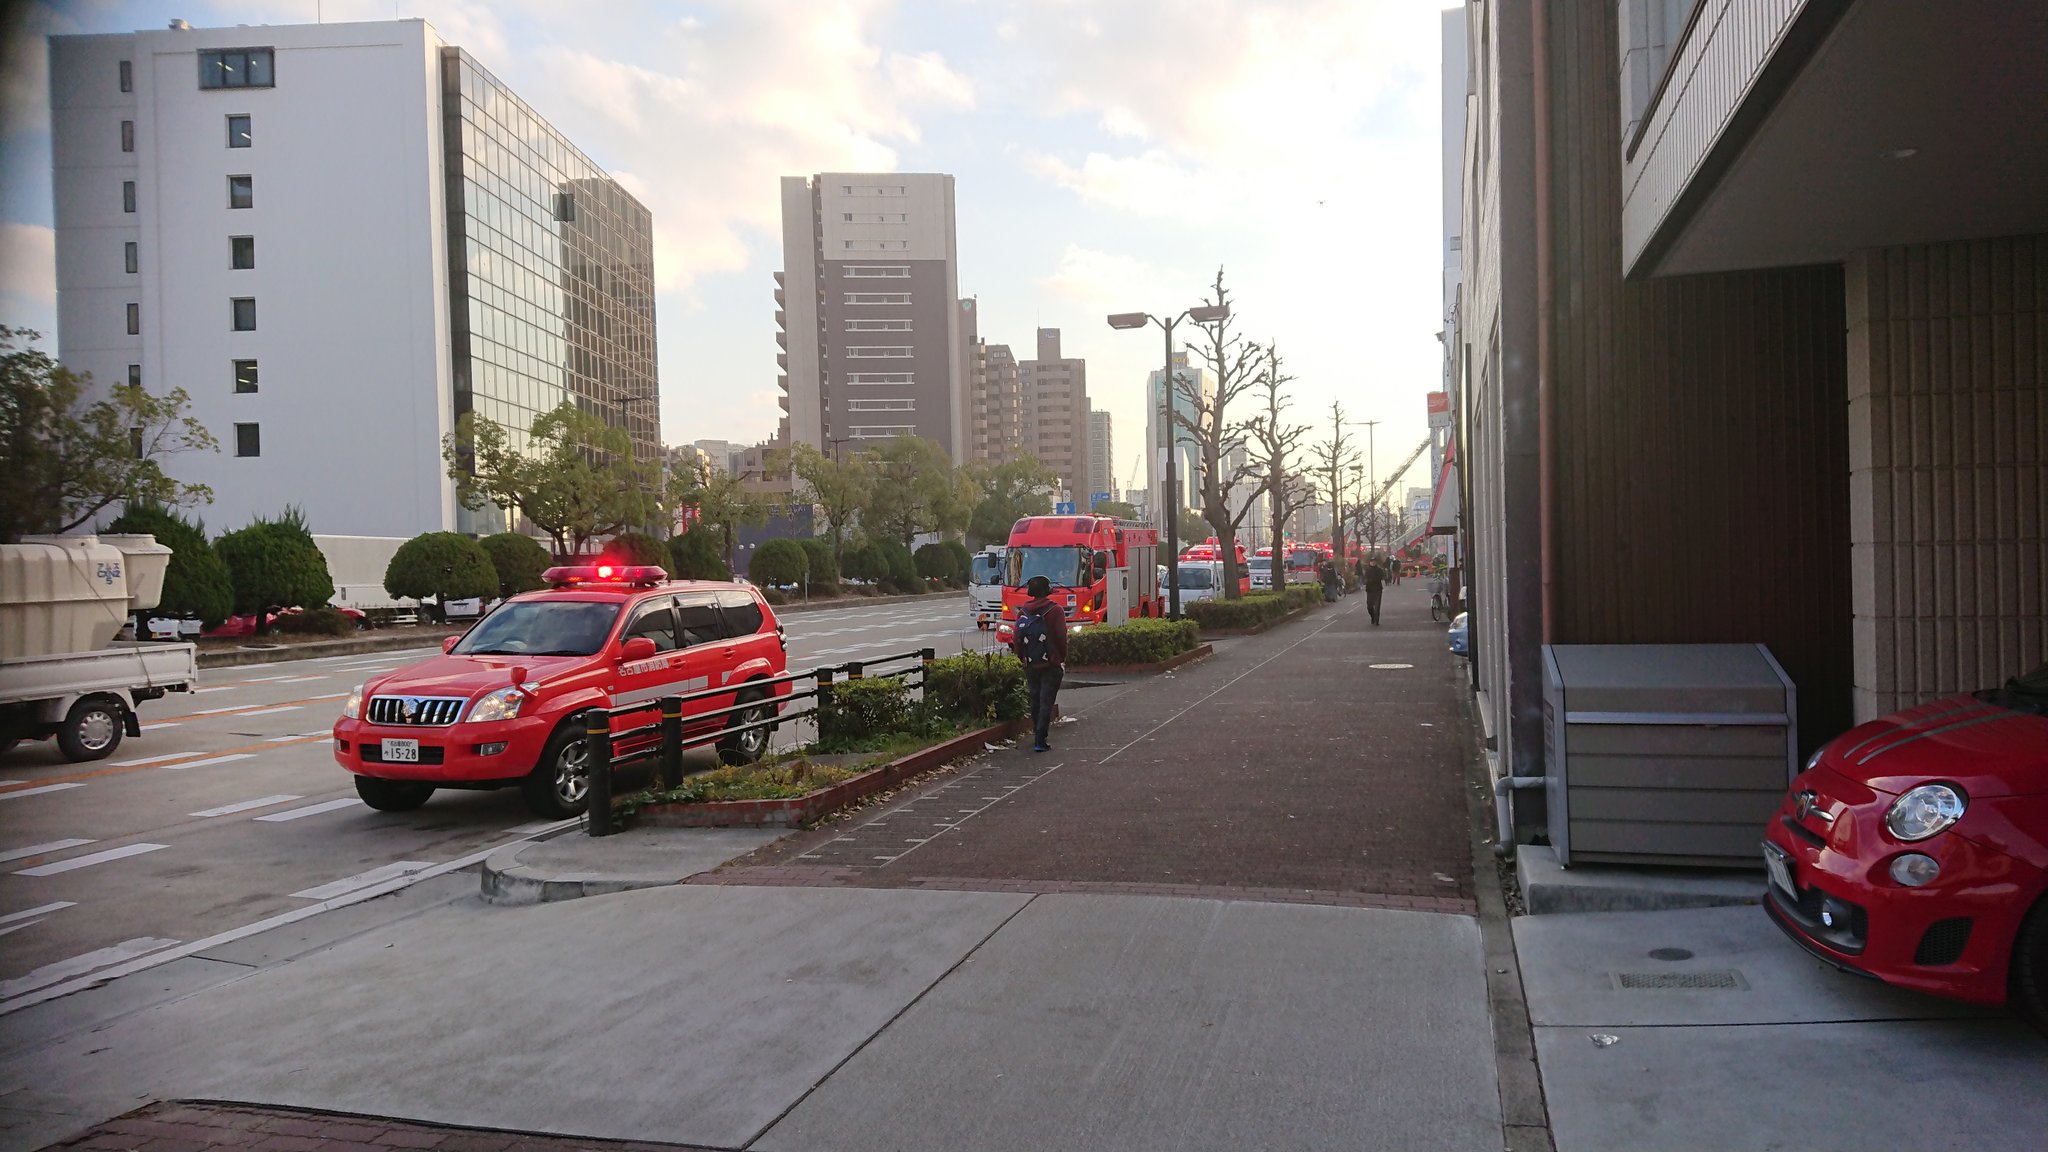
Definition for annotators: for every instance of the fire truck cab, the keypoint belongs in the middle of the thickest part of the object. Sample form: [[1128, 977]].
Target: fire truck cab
[[1102, 570]]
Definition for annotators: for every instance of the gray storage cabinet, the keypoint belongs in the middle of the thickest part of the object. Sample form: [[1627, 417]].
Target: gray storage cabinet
[[1665, 753]]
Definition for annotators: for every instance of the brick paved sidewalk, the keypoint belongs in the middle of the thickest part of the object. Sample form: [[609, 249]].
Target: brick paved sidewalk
[[193, 1126], [1287, 767]]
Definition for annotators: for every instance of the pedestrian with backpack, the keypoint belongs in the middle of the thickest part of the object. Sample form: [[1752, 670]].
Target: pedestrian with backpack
[[1039, 638]]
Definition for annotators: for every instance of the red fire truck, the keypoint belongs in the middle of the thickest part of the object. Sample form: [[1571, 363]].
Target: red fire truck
[[1103, 571]]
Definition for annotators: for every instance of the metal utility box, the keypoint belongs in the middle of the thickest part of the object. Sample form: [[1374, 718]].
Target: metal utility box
[[1665, 753]]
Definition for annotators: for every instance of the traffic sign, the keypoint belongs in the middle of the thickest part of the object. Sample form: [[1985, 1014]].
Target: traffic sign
[[1063, 508]]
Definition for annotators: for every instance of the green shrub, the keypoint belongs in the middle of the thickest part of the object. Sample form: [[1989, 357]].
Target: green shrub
[[1138, 642], [441, 566], [824, 565], [977, 687], [785, 780], [318, 622], [273, 564], [518, 559], [903, 577], [935, 562], [778, 562], [774, 596], [196, 584], [963, 561], [1248, 612], [639, 548], [695, 555], [868, 561], [1304, 596], [862, 711]]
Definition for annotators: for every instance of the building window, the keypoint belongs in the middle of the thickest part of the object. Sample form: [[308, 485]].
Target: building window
[[244, 313], [245, 377], [878, 325], [129, 257], [135, 319], [127, 76], [248, 440], [127, 195], [878, 351], [882, 431], [238, 68], [238, 132], [127, 135], [241, 191], [885, 271], [858, 298], [135, 375], [898, 405], [873, 378], [241, 251]]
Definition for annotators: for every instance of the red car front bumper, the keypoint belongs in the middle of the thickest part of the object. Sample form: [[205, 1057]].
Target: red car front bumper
[[454, 755], [1951, 938]]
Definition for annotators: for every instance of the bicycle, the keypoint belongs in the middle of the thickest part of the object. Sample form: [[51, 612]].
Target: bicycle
[[1439, 603]]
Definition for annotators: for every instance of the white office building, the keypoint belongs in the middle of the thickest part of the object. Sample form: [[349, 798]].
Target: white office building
[[337, 238]]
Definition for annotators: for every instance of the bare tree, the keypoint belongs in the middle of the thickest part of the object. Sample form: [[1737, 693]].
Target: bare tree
[[1332, 458], [1220, 441], [1273, 442]]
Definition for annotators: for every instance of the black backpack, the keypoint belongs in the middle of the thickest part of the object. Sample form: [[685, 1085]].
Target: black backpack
[[1033, 641]]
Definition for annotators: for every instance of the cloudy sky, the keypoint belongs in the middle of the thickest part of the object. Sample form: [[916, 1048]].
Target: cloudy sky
[[1110, 155]]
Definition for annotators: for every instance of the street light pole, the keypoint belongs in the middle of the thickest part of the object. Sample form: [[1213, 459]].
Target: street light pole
[[1170, 508], [1372, 490]]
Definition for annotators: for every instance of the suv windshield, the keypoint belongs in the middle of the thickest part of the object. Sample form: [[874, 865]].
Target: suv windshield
[[541, 628], [1062, 566]]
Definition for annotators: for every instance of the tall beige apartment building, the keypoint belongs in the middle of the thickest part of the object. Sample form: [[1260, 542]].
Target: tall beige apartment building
[[1101, 458], [867, 304], [1036, 407]]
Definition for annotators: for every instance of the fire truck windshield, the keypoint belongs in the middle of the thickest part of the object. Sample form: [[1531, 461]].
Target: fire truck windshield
[[1065, 567]]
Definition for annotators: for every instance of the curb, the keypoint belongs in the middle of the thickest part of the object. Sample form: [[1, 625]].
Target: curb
[[239, 657], [1199, 652], [508, 883]]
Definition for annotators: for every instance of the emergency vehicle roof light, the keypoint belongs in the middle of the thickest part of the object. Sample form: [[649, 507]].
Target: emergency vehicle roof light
[[574, 575]]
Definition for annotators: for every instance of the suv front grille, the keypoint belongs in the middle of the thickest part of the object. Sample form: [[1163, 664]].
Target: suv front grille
[[433, 711]]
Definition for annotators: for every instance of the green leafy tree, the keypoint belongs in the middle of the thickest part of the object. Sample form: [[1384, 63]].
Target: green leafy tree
[[640, 548], [1120, 509], [694, 556], [837, 487], [442, 566], [937, 562], [721, 503], [274, 564], [64, 459], [518, 560], [866, 561], [1192, 528], [197, 584], [576, 480], [963, 561], [778, 562], [902, 566], [1005, 493], [824, 561], [917, 489]]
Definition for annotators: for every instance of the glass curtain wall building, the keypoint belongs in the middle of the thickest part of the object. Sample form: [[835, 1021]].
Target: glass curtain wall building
[[551, 273]]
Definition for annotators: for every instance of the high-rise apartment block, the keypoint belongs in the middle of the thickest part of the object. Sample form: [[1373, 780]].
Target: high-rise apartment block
[[1190, 380], [866, 303], [1053, 395], [338, 238], [1101, 458]]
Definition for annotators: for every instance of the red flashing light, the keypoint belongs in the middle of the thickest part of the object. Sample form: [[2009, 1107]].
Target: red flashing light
[[571, 575]]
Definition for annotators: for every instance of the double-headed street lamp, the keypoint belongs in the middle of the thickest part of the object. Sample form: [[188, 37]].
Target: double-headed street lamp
[[1170, 508]]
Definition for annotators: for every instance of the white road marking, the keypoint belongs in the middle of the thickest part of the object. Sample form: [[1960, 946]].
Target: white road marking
[[263, 679], [329, 696], [299, 679], [246, 805], [312, 810], [160, 724], [80, 965], [90, 859], [349, 884], [529, 829], [55, 906], [215, 688], [141, 760], [214, 760], [39, 791], [219, 711], [39, 850], [275, 711], [294, 736]]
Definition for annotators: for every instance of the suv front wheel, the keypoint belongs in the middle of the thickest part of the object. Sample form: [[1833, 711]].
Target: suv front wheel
[[559, 786], [749, 746]]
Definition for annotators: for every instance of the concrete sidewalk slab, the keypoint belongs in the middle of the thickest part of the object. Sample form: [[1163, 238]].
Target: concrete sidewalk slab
[[1569, 964], [573, 866], [683, 1014], [1133, 1023]]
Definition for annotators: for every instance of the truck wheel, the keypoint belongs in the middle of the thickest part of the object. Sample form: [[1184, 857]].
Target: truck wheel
[[392, 795], [747, 747], [559, 786], [2027, 985], [92, 729]]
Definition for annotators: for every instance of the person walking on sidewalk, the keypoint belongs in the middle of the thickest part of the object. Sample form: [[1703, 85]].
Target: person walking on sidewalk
[[1375, 584], [1040, 640]]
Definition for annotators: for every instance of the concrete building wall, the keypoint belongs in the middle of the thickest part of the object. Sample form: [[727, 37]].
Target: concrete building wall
[[1948, 467], [1101, 454], [798, 292], [1054, 394], [1188, 464]]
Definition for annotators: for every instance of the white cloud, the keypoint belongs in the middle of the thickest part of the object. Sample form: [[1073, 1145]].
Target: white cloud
[[28, 262], [926, 75]]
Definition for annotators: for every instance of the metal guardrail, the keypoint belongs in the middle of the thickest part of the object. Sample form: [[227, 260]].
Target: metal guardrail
[[604, 738]]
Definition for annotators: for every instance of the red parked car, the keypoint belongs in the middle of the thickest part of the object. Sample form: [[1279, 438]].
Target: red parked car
[[505, 705], [1914, 849]]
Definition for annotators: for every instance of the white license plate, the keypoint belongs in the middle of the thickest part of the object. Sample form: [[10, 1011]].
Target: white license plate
[[1779, 870], [401, 751]]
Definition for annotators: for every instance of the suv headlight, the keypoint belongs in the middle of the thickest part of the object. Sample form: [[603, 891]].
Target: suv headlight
[[500, 705], [353, 710], [1924, 811]]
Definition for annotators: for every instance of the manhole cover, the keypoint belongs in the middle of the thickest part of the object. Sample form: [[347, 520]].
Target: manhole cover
[[1728, 981], [1390, 667]]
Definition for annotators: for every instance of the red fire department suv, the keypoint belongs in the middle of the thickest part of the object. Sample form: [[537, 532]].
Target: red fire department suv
[[504, 705]]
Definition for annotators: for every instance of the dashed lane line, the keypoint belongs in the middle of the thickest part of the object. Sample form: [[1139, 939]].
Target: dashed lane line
[[38, 790], [91, 859], [44, 910], [40, 850], [312, 810], [122, 768], [246, 805], [212, 760]]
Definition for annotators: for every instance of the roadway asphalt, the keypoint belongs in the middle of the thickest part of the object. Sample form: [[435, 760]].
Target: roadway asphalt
[[229, 811]]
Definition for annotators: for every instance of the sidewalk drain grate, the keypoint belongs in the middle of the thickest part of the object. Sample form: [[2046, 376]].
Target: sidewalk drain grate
[[1729, 981]]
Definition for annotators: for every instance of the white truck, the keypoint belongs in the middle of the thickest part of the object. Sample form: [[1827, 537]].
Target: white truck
[[63, 599], [985, 585]]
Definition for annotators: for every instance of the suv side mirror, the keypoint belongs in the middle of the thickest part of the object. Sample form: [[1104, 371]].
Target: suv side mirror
[[636, 649], [448, 643]]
